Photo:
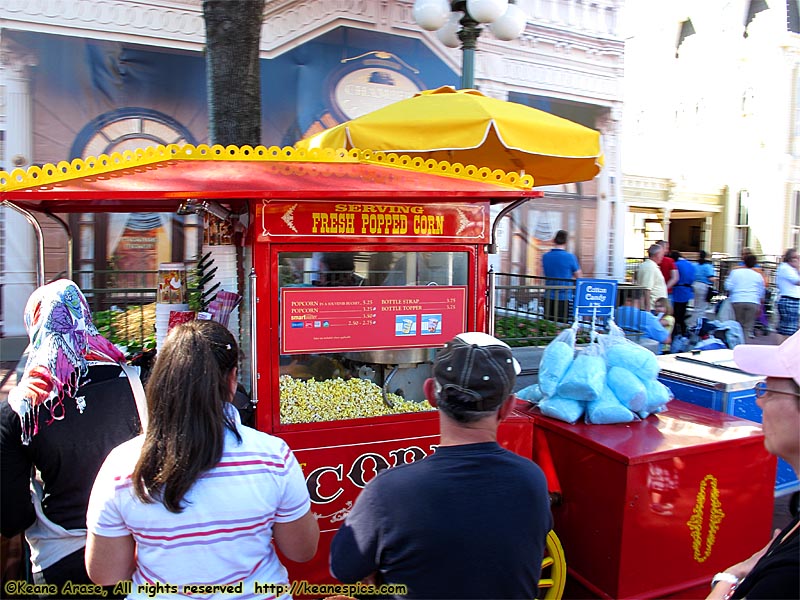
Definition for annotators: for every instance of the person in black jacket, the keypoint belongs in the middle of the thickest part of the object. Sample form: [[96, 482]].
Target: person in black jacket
[[71, 407], [774, 571]]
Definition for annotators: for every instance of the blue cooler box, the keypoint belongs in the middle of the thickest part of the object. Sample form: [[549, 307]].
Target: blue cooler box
[[710, 378]]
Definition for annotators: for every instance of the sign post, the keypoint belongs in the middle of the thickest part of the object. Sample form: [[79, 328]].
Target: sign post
[[595, 298]]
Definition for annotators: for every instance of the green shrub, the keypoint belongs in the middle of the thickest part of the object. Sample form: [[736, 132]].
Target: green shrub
[[531, 332]]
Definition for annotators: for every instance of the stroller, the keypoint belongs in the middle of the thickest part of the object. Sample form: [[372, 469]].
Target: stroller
[[761, 326], [712, 335]]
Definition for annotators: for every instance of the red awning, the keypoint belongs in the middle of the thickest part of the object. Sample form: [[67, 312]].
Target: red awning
[[162, 186]]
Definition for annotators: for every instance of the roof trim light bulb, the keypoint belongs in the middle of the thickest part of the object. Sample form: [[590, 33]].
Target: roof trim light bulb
[[510, 25], [486, 11], [431, 14]]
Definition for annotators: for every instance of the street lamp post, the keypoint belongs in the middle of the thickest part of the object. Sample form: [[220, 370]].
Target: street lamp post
[[457, 22], [468, 35]]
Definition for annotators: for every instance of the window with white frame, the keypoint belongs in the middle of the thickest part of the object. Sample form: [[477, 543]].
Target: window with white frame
[[742, 222], [794, 224]]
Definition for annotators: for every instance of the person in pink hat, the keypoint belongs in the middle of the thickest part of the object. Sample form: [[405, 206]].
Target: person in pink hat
[[774, 571]]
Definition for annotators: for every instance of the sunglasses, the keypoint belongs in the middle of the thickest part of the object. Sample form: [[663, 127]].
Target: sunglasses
[[761, 389]]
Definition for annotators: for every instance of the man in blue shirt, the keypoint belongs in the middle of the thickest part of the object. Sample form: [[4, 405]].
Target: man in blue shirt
[[560, 267], [682, 292], [634, 320]]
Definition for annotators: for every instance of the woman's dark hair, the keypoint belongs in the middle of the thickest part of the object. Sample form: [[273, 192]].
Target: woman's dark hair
[[703, 257], [750, 261], [187, 394], [789, 255]]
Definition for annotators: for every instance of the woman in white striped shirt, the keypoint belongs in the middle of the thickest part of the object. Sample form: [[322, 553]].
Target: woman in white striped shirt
[[198, 499]]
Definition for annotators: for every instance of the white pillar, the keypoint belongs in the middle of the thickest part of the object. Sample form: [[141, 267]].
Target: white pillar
[[731, 215], [602, 232], [610, 184], [19, 249], [620, 207], [665, 221], [707, 229]]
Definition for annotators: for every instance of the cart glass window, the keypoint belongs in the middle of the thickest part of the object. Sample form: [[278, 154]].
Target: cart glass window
[[329, 269], [365, 349]]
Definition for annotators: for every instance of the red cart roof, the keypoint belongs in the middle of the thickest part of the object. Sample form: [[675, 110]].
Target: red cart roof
[[161, 178]]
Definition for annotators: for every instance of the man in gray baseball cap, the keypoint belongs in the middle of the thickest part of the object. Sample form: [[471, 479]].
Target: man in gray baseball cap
[[470, 520]]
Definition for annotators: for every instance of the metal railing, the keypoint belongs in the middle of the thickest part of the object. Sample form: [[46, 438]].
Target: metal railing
[[529, 310], [532, 310], [122, 305], [109, 288]]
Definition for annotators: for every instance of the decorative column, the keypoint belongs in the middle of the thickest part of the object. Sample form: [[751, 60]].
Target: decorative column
[[603, 223], [731, 239], [18, 277], [15, 79], [610, 196], [665, 221]]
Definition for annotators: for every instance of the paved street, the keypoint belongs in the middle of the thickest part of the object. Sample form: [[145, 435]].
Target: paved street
[[7, 377]]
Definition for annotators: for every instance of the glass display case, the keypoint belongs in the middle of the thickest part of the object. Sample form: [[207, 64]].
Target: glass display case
[[359, 330]]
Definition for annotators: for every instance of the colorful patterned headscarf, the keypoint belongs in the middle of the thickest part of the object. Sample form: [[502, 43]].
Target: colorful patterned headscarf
[[63, 341]]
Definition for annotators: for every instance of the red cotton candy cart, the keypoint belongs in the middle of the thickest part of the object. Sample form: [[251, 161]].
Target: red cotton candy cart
[[359, 266]]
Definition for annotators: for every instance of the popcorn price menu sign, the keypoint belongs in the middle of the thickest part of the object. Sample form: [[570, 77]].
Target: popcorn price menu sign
[[380, 318]]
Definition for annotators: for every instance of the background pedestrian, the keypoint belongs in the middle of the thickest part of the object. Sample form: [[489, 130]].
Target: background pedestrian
[[745, 287], [704, 280], [559, 265], [650, 278], [668, 268], [787, 280], [682, 291]]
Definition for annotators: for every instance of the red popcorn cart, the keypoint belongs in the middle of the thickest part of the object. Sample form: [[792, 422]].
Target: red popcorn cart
[[358, 266]]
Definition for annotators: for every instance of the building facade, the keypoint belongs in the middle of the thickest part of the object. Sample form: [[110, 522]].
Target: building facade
[[84, 77], [711, 125]]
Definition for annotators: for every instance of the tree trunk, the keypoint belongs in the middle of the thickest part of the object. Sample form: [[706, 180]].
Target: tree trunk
[[233, 35]]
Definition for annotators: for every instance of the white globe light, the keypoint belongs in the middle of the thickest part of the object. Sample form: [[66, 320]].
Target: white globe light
[[510, 25], [486, 11], [431, 14], [448, 34]]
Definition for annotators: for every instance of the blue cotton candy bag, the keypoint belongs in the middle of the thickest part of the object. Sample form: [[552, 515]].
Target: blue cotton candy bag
[[585, 379], [633, 357], [658, 395], [608, 409], [556, 361], [622, 352], [628, 388], [563, 409], [532, 393]]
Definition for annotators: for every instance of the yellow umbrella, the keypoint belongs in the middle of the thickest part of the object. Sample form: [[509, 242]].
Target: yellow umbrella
[[467, 127]]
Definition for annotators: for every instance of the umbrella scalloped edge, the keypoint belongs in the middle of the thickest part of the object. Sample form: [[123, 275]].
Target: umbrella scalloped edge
[[420, 165], [105, 163]]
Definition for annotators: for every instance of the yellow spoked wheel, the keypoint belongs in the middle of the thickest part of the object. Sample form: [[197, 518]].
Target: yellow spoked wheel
[[554, 569]]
